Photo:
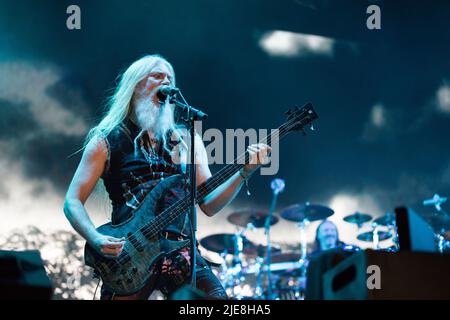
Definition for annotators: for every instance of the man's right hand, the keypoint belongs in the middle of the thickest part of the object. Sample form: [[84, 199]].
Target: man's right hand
[[108, 246]]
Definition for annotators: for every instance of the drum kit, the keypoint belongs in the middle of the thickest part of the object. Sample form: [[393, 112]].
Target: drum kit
[[376, 234], [254, 271], [253, 274]]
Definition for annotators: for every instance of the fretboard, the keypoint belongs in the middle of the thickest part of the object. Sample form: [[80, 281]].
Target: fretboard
[[170, 214]]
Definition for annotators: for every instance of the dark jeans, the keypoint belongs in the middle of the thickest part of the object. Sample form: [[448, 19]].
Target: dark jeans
[[206, 282]]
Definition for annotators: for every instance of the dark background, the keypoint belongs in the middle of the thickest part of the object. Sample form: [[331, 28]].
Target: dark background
[[220, 66]]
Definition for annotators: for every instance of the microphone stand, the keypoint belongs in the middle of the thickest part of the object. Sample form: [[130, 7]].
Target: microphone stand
[[277, 186], [437, 201], [192, 116]]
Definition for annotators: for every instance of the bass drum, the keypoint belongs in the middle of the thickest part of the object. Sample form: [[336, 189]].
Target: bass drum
[[288, 276]]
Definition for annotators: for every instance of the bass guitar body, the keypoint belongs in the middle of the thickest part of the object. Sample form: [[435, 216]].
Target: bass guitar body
[[144, 245]]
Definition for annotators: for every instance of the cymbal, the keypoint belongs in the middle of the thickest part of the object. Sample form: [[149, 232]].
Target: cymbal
[[310, 212], [244, 217], [283, 262], [213, 264], [368, 236], [225, 242], [387, 220], [358, 218]]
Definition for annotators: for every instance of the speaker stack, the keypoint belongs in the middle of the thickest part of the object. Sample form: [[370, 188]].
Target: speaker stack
[[23, 276]]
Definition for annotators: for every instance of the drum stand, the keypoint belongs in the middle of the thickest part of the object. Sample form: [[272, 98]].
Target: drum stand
[[236, 270], [277, 186], [437, 201], [393, 229], [376, 239], [303, 245]]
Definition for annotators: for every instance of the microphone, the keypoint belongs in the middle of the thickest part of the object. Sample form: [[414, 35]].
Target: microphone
[[168, 90], [277, 185]]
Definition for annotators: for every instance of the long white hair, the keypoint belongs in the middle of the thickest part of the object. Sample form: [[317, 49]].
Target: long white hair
[[118, 105]]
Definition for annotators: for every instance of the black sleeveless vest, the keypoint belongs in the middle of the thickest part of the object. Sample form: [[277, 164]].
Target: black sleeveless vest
[[133, 169]]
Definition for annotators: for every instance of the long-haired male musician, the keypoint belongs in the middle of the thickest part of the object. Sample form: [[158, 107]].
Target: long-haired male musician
[[327, 237], [135, 146]]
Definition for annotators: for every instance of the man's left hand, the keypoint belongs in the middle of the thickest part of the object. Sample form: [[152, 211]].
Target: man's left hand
[[258, 155]]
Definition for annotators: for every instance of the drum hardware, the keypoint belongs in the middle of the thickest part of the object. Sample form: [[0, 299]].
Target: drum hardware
[[234, 275], [375, 236], [303, 214], [264, 272], [443, 244], [307, 211], [440, 221], [280, 262], [437, 202], [303, 244], [388, 220], [289, 275], [283, 266], [254, 218], [231, 276], [250, 219], [228, 243], [273, 276], [277, 186]]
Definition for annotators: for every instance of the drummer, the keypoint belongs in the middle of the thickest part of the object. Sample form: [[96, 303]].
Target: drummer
[[327, 237]]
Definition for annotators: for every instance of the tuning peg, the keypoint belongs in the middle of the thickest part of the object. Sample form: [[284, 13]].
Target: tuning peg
[[311, 126], [296, 108], [288, 113]]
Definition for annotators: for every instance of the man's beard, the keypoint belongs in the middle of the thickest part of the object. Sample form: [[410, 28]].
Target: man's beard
[[153, 118], [330, 241]]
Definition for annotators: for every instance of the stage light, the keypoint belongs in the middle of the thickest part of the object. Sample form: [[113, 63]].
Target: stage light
[[291, 44]]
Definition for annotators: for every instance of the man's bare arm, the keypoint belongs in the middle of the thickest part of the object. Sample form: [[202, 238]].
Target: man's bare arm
[[83, 182], [227, 191]]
